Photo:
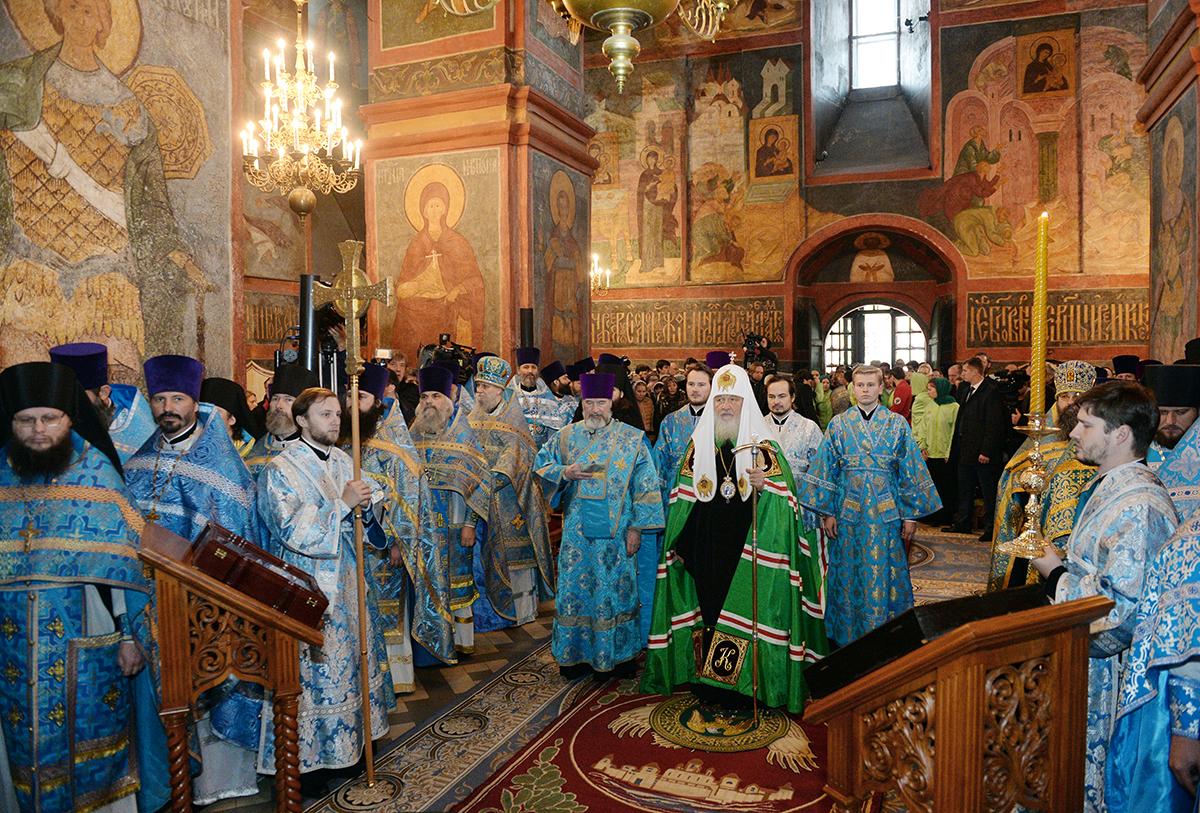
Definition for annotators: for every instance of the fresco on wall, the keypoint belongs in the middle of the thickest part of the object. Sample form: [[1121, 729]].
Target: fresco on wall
[[412, 22], [441, 214], [340, 27], [560, 282], [1173, 229], [874, 256], [706, 170], [1012, 154], [110, 230]]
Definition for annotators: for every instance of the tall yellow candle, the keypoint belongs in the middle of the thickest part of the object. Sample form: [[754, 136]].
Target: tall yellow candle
[[1037, 321]]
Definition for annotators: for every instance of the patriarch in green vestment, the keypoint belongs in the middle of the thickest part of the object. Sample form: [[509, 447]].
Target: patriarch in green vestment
[[705, 596]]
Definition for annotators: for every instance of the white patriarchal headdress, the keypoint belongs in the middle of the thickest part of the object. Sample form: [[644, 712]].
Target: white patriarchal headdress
[[729, 380]]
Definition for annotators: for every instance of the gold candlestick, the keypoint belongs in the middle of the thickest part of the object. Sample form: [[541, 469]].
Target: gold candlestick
[[1034, 479], [1037, 320]]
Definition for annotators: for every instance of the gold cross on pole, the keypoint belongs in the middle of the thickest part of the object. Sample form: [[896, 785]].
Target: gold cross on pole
[[351, 294]]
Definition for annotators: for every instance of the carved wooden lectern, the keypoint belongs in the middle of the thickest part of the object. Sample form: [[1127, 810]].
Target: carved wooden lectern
[[990, 715], [207, 631]]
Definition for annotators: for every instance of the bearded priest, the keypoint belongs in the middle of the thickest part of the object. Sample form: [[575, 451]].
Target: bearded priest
[[705, 595]]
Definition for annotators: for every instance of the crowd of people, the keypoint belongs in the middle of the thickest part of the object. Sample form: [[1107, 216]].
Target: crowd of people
[[712, 514]]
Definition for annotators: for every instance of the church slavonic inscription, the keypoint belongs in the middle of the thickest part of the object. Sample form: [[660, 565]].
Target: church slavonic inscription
[[686, 322], [1113, 316]]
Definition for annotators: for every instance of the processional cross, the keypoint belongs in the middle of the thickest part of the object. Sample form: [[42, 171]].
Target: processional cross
[[352, 294]]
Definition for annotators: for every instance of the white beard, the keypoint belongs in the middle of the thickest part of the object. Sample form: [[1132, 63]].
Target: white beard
[[725, 431]]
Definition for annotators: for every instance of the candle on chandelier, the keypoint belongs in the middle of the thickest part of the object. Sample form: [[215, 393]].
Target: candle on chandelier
[[266, 65], [308, 50], [245, 143], [345, 144], [331, 67], [357, 152]]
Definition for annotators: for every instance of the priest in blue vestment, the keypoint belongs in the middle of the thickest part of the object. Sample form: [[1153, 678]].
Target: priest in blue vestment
[[602, 471], [870, 483], [441, 568], [544, 412], [186, 474], [1124, 518], [1154, 752], [121, 407], [390, 460], [288, 382], [307, 500], [79, 704], [1175, 454]]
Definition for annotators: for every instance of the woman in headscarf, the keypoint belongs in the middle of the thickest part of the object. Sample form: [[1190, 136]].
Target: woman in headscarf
[[934, 434], [673, 397], [824, 407]]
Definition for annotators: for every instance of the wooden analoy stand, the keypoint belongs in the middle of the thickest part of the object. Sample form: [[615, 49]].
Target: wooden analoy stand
[[1005, 701], [207, 632]]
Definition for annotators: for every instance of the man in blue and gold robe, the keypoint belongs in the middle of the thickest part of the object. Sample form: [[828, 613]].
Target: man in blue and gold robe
[[186, 474], [602, 471], [869, 482], [441, 569], [1175, 454], [514, 558], [1067, 478], [73, 596], [1124, 519], [122, 407], [289, 381], [390, 460], [307, 501]]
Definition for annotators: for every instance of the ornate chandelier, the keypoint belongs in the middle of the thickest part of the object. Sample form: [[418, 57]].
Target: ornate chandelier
[[294, 145], [621, 18]]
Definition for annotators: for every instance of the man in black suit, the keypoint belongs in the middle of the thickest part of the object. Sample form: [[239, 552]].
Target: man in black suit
[[980, 431]]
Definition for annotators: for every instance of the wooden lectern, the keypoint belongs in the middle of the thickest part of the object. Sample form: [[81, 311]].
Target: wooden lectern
[[208, 631], [990, 715]]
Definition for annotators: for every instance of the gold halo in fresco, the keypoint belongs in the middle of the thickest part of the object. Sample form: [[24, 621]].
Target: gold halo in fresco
[[178, 116], [121, 49], [561, 183], [1055, 47], [424, 176]]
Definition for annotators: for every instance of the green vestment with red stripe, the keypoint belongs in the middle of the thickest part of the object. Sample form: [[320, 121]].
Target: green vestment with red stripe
[[791, 627]]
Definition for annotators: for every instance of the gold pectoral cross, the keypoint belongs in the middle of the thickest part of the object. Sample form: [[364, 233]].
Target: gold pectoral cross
[[152, 516], [29, 534]]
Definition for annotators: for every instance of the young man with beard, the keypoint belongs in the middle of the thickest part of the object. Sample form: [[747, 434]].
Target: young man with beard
[[75, 605], [1071, 379], [460, 484], [1175, 454], [1124, 519], [290, 380], [704, 604], [799, 438], [871, 485], [541, 407], [514, 564], [675, 431], [307, 503], [187, 474], [121, 407], [389, 459], [603, 472]]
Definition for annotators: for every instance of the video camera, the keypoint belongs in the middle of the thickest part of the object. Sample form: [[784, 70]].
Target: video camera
[[448, 350]]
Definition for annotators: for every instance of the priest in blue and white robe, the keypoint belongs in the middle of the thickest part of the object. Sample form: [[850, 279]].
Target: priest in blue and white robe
[[1123, 520], [542, 409], [186, 474], [1154, 751], [307, 500], [603, 472], [288, 382], [675, 431], [122, 407], [389, 459], [80, 701], [1175, 454], [870, 483], [800, 438], [441, 569]]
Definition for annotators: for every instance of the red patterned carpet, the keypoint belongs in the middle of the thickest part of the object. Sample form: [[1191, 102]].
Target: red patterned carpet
[[603, 754]]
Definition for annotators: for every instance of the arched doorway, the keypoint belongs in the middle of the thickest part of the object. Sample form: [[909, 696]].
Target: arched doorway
[[874, 332]]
